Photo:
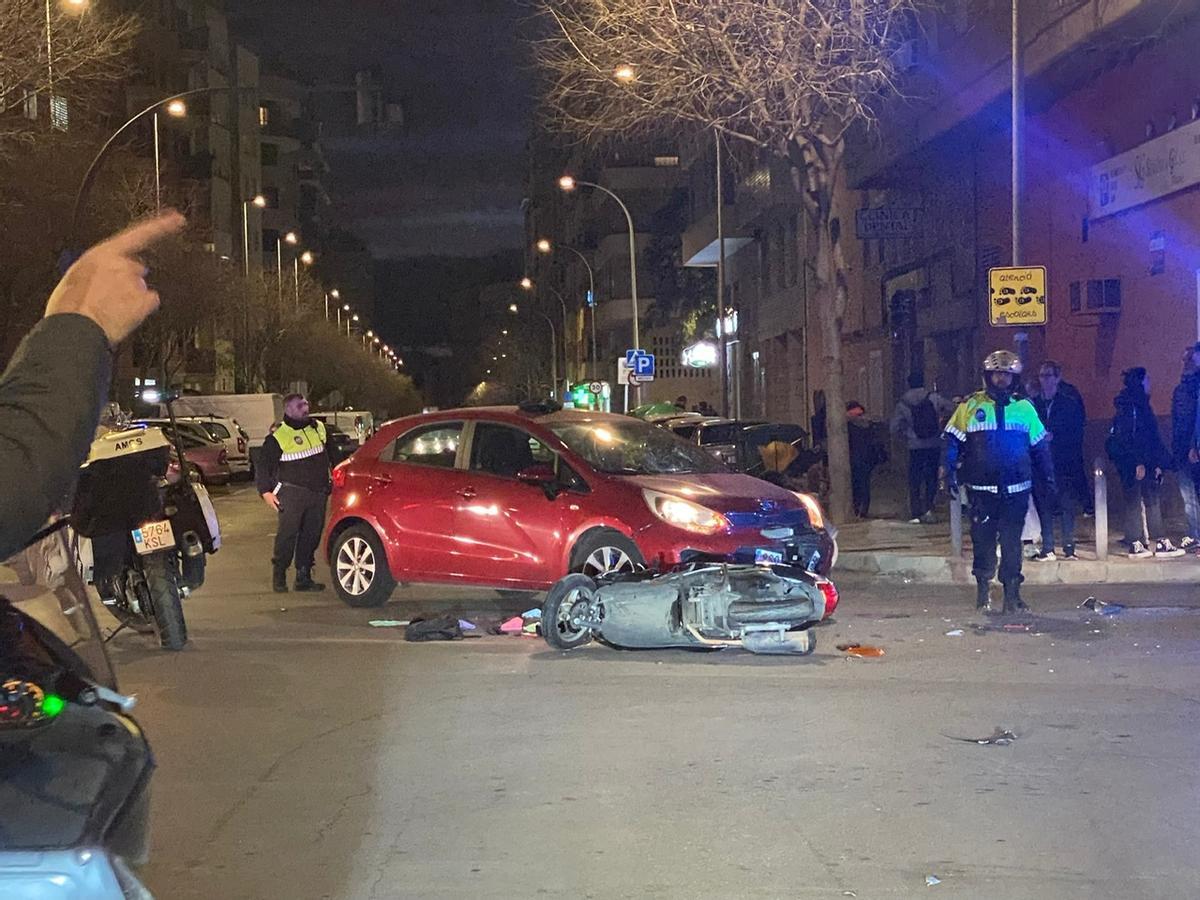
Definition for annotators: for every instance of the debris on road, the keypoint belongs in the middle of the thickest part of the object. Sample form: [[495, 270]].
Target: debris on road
[[1001, 737], [512, 626], [956, 632], [388, 623], [535, 613], [440, 628], [532, 629], [1105, 609], [465, 625], [863, 651], [931, 880]]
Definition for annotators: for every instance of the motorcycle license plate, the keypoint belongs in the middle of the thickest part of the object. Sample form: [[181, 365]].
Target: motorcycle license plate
[[768, 557], [153, 537]]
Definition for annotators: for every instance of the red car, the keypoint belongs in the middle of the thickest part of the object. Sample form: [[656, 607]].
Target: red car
[[210, 457], [515, 498]]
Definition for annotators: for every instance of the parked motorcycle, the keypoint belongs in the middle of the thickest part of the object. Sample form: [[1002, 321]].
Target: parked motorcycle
[[75, 768], [141, 537], [760, 608]]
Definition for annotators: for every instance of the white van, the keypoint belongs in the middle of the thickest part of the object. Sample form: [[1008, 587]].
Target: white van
[[358, 423], [255, 413]]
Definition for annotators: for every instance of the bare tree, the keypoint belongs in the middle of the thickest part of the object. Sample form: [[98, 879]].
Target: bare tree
[[791, 77], [71, 56]]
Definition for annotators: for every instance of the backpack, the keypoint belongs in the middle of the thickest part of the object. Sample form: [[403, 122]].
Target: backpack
[[925, 420]]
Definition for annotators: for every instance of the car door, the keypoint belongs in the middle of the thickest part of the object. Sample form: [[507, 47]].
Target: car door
[[413, 489], [511, 531]]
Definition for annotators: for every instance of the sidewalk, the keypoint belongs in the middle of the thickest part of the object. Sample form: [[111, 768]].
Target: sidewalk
[[921, 553]]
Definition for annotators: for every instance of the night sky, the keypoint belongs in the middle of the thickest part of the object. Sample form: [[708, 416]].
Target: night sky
[[450, 181]]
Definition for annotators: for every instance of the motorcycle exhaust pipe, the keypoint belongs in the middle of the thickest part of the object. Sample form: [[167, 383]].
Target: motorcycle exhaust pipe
[[190, 545]]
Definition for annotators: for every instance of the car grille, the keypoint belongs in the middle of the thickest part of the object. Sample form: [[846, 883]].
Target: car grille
[[796, 519]]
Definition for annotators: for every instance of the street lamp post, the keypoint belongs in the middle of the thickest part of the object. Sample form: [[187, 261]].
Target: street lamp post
[[545, 246], [259, 201], [553, 348], [307, 258], [527, 284], [567, 183], [348, 319]]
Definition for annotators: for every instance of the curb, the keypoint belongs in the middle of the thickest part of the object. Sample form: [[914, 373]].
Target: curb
[[946, 570]]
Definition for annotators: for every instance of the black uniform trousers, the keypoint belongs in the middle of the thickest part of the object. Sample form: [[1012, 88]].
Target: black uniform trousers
[[301, 519], [997, 516]]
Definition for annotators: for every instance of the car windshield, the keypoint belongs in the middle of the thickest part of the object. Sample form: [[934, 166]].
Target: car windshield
[[634, 448]]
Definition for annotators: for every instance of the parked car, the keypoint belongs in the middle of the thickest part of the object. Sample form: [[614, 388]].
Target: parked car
[[229, 433], [208, 456], [515, 498]]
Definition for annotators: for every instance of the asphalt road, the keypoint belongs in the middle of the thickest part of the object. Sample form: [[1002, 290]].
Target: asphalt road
[[305, 754]]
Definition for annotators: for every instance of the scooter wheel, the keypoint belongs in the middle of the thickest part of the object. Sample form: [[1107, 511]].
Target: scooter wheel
[[163, 581], [563, 601]]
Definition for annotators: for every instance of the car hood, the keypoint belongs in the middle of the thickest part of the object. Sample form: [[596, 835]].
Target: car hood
[[724, 492]]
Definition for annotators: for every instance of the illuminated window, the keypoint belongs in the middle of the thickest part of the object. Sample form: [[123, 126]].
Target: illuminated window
[[59, 114], [433, 445], [666, 162], [264, 116]]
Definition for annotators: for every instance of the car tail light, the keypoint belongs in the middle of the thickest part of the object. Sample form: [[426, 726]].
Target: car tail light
[[831, 596], [339, 475], [241, 445], [223, 458]]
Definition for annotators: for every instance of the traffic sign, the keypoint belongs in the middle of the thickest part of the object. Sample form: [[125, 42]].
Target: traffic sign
[[640, 364], [596, 387], [1017, 296]]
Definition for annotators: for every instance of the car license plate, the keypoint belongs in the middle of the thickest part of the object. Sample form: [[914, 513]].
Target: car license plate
[[153, 537], [767, 557]]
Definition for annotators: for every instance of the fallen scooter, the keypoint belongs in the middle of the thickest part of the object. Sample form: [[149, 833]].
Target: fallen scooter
[[761, 608]]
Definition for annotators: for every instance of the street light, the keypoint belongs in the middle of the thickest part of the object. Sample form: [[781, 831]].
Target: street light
[[348, 324], [176, 108], [625, 73], [259, 201], [527, 284], [568, 184], [546, 246], [553, 349], [512, 307]]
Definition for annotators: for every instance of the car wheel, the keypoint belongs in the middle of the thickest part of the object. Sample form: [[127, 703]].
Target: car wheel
[[566, 601], [606, 553], [360, 570]]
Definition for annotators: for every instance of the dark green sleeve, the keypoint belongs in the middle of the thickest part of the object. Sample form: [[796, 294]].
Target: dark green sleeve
[[50, 397]]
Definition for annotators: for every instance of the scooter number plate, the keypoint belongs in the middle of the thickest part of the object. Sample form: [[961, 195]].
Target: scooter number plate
[[153, 537], [768, 557]]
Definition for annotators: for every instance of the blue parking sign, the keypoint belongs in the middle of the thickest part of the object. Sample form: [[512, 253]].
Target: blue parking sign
[[640, 363]]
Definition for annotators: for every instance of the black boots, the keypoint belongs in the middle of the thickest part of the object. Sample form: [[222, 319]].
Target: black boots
[[981, 593], [1012, 597], [304, 581], [279, 579]]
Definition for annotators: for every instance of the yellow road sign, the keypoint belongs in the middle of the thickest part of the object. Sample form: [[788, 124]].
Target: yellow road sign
[[1017, 295]]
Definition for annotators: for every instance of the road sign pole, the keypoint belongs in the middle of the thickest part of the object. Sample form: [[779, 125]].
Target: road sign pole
[[1021, 337]]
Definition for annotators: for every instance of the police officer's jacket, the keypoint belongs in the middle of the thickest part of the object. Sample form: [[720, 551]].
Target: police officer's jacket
[[296, 454], [996, 443]]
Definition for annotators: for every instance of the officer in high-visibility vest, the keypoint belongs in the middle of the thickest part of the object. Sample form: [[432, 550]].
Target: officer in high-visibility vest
[[293, 478], [1001, 445]]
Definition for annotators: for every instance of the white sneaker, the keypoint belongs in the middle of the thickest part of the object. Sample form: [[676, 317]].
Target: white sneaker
[[1047, 556], [1189, 544], [914, 521], [1165, 549], [1140, 551]]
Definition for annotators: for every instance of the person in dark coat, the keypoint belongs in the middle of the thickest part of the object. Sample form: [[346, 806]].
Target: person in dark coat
[[1137, 450], [1185, 443], [1060, 407], [54, 387], [865, 455]]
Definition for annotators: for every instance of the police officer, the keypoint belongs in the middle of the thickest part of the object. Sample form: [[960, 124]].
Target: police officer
[[999, 442], [293, 478]]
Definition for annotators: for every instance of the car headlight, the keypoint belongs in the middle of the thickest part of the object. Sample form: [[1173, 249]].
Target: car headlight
[[685, 514], [816, 516]]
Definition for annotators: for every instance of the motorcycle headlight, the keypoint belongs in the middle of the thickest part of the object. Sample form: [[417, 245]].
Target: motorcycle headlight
[[685, 514], [816, 516]]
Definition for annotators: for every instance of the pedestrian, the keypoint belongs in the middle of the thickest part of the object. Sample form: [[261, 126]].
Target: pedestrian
[[999, 444], [1185, 443], [681, 403], [918, 419], [1060, 407], [865, 455], [293, 479], [1136, 449]]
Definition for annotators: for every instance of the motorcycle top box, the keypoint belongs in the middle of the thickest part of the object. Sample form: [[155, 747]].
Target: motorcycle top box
[[117, 488]]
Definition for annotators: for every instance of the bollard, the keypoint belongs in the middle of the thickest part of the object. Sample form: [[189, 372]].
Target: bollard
[[1101, 510], [956, 537]]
